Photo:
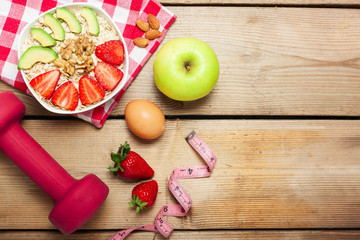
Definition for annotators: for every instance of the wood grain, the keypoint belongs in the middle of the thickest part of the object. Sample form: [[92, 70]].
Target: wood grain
[[274, 61], [333, 3], [270, 174], [185, 235]]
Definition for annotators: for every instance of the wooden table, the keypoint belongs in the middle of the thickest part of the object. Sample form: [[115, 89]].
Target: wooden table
[[282, 120]]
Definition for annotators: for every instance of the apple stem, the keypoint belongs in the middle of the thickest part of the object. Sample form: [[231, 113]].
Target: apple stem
[[187, 66]]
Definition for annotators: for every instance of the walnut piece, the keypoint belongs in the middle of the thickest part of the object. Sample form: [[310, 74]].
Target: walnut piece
[[90, 49], [86, 63], [84, 45], [67, 48], [65, 67], [81, 61], [66, 54]]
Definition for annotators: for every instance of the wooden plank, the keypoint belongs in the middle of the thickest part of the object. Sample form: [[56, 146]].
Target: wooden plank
[[274, 61], [351, 3], [270, 174], [181, 235]]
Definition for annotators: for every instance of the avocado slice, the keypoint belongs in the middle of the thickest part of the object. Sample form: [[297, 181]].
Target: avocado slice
[[92, 21], [42, 37], [56, 27], [69, 18], [36, 54]]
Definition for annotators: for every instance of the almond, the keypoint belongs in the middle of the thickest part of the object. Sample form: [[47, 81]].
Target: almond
[[144, 26], [141, 42], [152, 34], [153, 21]]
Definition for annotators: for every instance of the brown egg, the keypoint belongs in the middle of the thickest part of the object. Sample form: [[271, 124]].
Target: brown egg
[[144, 118]]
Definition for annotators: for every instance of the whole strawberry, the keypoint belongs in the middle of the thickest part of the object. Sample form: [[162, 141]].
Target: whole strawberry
[[129, 164], [144, 195]]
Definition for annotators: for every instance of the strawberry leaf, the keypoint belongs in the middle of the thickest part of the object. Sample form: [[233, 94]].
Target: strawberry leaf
[[114, 170], [115, 157], [118, 157], [140, 205], [124, 149]]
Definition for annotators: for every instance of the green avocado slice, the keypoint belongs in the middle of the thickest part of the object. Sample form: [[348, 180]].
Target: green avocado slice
[[69, 18], [42, 37], [92, 21], [56, 27], [36, 54]]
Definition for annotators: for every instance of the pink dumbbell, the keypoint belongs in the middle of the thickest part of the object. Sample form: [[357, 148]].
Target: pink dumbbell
[[76, 201]]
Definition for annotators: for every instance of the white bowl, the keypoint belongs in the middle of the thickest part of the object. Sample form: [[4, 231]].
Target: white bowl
[[26, 32]]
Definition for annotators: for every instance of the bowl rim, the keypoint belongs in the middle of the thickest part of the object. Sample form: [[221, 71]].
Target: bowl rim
[[119, 87]]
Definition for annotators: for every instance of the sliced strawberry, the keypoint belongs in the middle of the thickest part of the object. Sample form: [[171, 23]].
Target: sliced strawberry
[[111, 52], [107, 75], [90, 90], [66, 96], [46, 83]]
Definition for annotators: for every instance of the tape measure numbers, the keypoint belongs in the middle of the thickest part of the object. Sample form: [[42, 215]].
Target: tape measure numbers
[[185, 202]]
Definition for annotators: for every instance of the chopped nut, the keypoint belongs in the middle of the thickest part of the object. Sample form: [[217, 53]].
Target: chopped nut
[[67, 48], [66, 54], [70, 69], [86, 63], [80, 60], [83, 48], [89, 49], [72, 61], [83, 44], [60, 62], [65, 67], [90, 65], [79, 51]]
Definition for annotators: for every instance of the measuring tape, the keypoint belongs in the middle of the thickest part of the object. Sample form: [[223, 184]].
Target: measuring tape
[[160, 225]]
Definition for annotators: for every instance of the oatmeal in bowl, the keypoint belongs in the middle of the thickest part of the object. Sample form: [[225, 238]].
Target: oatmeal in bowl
[[73, 58]]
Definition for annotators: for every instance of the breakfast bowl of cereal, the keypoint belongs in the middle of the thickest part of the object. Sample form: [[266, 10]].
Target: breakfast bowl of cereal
[[73, 58]]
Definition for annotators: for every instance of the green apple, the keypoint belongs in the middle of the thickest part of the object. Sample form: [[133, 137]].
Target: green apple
[[186, 69]]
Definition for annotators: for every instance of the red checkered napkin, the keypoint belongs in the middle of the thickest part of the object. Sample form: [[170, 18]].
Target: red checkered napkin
[[15, 14]]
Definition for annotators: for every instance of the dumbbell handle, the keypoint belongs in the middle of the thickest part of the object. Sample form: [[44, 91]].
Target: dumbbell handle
[[30, 157]]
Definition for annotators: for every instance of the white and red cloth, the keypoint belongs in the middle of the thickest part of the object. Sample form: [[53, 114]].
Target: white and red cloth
[[15, 14]]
